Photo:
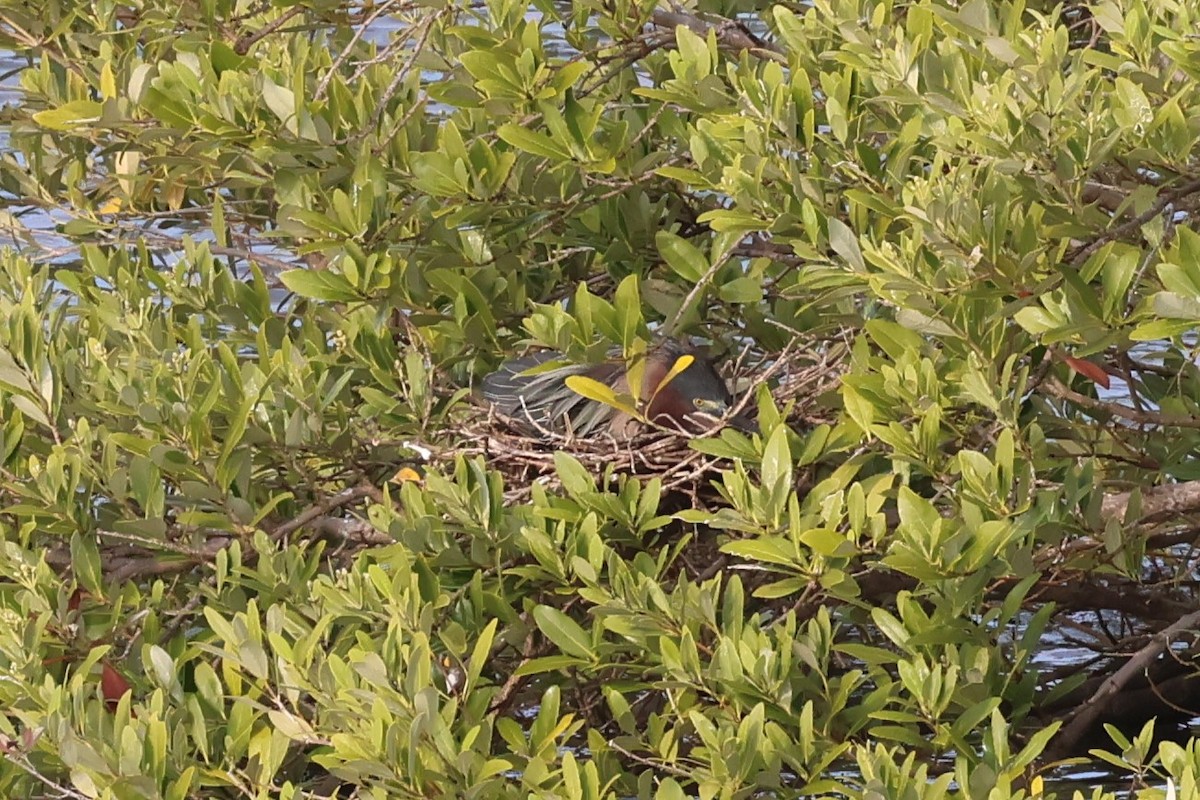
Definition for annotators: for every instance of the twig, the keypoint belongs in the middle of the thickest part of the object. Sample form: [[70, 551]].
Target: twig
[[701, 285], [342, 57], [528, 651], [183, 615], [426, 27], [655, 765], [21, 762]]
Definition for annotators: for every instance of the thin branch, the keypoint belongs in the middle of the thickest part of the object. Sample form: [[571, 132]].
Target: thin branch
[[245, 42], [1055, 388], [700, 286], [1082, 254], [22, 762], [353, 531], [359, 32], [321, 509], [658, 766], [731, 35]]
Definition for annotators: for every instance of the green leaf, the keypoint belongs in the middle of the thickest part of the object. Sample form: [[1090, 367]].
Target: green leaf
[[721, 220], [538, 144], [563, 632], [828, 542], [281, 101], [535, 666], [30, 409], [917, 514], [627, 302], [790, 28], [1133, 107], [771, 549], [12, 375], [1179, 279], [744, 289], [777, 460], [921, 323], [894, 338], [1176, 306], [695, 58], [1036, 320], [163, 667], [68, 116], [890, 627], [85, 563], [669, 789], [783, 588], [574, 476], [566, 75], [1161, 329], [681, 256], [845, 243], [319, 284]]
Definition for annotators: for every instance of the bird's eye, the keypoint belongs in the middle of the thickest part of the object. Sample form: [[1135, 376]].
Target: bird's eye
[[703, 404]]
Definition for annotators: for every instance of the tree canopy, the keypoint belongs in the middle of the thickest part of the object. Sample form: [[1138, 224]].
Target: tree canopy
[[262, 540]]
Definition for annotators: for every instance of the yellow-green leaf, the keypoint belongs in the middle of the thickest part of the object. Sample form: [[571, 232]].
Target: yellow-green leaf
[[74, 114]]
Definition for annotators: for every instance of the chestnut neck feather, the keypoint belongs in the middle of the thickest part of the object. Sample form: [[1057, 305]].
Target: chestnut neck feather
[[667, 404]]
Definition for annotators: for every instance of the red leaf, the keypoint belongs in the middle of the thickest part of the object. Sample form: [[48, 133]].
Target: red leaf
[[112, 685], [76, 598], [29, 737], [1087, 369]]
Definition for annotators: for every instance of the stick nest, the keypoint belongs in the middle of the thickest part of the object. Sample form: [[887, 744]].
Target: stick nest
[[799, 378]]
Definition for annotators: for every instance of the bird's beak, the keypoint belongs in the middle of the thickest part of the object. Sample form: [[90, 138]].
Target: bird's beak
[[710, 421], [743, 423]]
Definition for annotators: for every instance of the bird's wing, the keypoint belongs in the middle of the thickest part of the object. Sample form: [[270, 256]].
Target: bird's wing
[[543, 398]]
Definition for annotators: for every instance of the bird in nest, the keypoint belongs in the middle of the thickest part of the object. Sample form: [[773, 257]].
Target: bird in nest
[[542, 394]]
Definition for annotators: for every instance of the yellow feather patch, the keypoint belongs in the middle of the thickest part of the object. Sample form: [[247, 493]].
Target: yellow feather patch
[[406, 475]]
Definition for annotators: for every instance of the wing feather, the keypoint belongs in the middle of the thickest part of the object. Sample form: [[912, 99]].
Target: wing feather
[[533, 391]]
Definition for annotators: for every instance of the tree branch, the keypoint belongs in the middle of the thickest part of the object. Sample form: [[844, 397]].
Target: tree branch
[[731, 35], [1082, 719], [1082, 254], [1159, 503], [321, 509], [1055, 388]]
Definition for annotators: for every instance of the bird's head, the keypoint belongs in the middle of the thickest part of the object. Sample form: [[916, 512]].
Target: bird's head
[[694, 398]]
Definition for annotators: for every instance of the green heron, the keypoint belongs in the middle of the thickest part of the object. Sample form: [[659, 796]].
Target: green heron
[[693, 399]]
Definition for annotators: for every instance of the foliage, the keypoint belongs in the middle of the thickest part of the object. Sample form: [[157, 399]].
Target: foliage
[[261, 252]]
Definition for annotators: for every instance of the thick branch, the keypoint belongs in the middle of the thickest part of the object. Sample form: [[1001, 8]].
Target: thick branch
[[1081, 594], [1159, 503], [123, 569], [1085, 716], [1085, 594]]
